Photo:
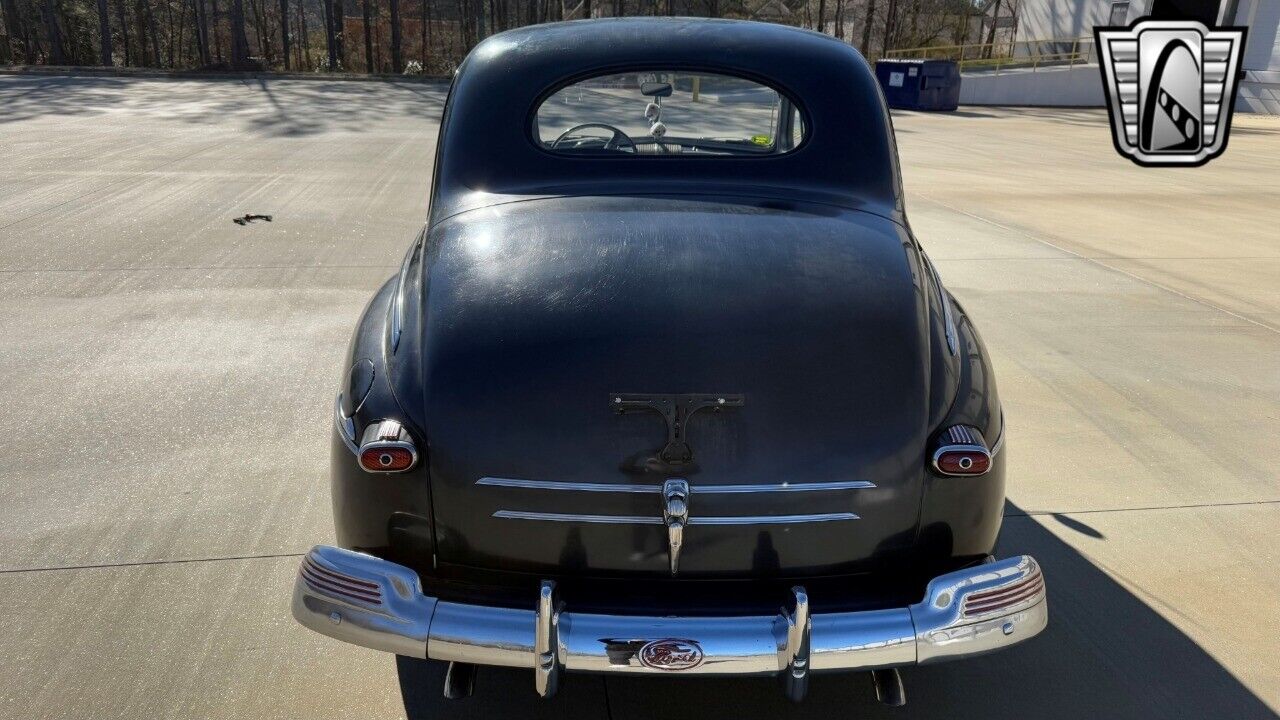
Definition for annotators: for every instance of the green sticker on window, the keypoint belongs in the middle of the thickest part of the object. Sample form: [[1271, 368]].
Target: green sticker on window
[[761, 140]]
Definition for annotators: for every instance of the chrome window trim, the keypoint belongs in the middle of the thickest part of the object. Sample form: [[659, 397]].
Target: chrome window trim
[[655, 489], [953, 340], [395, 323], [948, 316], [346, 426], [655, 520]]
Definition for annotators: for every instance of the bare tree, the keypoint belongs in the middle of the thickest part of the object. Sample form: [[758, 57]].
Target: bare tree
[[13, 23], [173, 30], [330, 42], [284, 32], [239, 43], [104, 32], [57, 56], [397, 60], [192, 33], [368, 37], [260, 30], [890, 25], [304, 52], [122, 18], [155, 34], [991, 36], [426, 36], [201, 20], [339, 31], [217, 30], [867, 20]]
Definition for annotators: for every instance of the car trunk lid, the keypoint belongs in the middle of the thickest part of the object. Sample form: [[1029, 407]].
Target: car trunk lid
[[555, 330]]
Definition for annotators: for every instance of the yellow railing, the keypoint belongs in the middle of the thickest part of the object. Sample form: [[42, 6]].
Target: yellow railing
[[1031, 54]]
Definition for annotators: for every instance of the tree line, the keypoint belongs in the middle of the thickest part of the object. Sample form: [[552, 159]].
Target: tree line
[[406, 36]]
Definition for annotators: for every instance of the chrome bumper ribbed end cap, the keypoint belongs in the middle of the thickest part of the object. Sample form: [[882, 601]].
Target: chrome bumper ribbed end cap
[[980, 609], [364, 600]]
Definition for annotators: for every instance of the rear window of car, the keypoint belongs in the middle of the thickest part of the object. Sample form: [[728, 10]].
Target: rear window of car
[[668, 113]]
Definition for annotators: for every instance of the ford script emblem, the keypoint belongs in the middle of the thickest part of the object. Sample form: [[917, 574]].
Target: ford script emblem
[[671, 654]]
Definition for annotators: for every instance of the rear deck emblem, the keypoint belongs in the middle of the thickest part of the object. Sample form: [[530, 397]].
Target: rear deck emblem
[[671, 654], [1171, 89]]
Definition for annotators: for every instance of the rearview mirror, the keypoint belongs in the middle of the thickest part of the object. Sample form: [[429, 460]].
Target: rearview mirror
[[655, 89]]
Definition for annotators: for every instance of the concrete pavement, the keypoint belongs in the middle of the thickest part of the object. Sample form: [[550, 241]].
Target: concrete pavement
[[170, 374]]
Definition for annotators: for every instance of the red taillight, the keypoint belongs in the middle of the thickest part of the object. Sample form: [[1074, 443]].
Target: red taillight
[[961, 451], [386, 459], [963, 462], [387, 448]]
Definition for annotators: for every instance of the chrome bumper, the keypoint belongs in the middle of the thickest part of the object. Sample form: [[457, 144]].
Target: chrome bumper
[[378, 604]]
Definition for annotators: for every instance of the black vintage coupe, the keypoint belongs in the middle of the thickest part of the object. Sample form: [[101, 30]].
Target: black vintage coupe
[[666, 385]]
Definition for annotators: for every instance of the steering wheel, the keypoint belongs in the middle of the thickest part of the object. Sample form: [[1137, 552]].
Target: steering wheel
[[616, 142]]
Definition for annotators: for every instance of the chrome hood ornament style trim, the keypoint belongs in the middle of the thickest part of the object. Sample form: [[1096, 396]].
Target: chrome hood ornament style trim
[[675, 514]]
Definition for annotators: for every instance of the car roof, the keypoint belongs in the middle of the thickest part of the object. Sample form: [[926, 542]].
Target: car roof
[[487, 154]]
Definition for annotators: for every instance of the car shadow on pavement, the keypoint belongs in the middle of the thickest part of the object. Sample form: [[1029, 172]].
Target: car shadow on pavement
[[1105, 654]]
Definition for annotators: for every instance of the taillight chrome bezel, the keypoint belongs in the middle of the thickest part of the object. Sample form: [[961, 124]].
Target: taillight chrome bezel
[[386, 435], [963, 440]]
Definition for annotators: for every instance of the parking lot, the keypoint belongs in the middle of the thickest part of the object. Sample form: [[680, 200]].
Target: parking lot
[[169, 377]]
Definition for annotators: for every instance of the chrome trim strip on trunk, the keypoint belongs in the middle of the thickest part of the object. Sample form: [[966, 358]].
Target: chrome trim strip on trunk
[[695, 489], [570, 517], [655, 520], [771, 519], [564, 485], [782, 487]]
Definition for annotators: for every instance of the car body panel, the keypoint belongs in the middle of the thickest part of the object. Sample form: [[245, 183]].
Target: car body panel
[[542, 284], [535, 312]]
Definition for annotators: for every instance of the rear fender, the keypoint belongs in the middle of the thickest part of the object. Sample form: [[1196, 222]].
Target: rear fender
[[388, 515], [960, 517]]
